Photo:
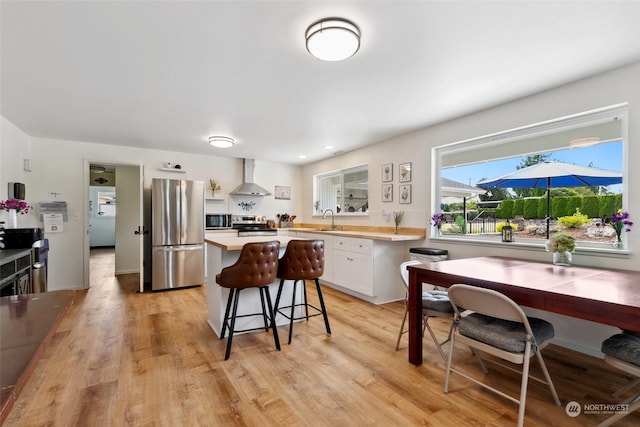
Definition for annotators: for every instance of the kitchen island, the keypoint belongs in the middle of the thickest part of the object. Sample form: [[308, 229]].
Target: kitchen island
[[363, 263], [222, 252]]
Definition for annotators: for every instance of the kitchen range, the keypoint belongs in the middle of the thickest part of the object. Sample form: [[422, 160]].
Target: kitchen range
[[252, 225]]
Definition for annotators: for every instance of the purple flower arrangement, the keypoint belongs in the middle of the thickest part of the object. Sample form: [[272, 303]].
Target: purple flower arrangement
[[19, 205], [437, 219], [620, 221]]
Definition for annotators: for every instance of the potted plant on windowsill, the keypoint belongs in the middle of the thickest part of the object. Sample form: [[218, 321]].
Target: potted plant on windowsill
[[562, 245]]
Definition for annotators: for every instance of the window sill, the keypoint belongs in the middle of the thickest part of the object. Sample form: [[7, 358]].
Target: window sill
[[533, 245], [348, 214]]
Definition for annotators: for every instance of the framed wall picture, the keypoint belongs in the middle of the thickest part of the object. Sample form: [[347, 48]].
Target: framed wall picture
[[405, 172], [404, 191], [387, 172], [387, 192], [283, 192]]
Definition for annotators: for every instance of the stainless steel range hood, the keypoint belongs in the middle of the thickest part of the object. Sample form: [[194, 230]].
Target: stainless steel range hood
[[248, 186]]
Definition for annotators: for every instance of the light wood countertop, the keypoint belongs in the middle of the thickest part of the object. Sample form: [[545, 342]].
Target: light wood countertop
[[236, 243], [374, 235]]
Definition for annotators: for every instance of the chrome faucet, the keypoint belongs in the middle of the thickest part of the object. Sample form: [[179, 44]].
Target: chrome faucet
[[333, 225]]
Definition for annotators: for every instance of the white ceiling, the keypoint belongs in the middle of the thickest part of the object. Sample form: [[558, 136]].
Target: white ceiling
[[166, 75]]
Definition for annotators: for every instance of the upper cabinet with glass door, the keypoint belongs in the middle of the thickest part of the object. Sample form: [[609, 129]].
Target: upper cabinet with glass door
[[344, 191]]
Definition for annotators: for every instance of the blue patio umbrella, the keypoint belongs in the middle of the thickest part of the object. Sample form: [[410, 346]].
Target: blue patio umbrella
[[552, 175]]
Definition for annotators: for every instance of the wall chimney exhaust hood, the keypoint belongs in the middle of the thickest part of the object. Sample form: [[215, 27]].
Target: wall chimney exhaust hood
[[248, 186]]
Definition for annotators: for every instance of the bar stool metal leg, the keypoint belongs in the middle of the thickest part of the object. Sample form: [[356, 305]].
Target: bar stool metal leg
[[322, 307], [272, 316], [233, 323]]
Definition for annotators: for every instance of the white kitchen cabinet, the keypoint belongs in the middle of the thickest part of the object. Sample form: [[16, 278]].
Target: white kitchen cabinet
[[368, 269], [353, 264]]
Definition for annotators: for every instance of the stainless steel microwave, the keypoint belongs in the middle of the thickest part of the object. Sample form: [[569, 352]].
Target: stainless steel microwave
[[217, 221]]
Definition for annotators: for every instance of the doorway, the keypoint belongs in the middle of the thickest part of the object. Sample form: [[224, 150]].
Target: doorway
[[114, 216]]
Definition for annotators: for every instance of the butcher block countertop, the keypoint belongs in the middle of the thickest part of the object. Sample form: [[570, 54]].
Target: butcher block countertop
[[236, 243], [231, 243], [374, 235]]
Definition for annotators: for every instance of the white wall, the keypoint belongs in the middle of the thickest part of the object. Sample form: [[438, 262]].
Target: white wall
[[15, 145]]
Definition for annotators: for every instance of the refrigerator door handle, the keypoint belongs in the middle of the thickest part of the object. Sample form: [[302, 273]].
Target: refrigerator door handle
[[183, 211]]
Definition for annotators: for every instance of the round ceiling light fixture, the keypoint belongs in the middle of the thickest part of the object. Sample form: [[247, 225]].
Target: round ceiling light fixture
[[333, 39], [221, 141]]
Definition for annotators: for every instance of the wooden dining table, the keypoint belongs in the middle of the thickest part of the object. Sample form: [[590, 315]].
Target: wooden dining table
[[607, 296]]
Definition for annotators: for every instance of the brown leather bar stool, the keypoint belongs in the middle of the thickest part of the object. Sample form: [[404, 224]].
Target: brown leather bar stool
[[303, 260], [256, 267]]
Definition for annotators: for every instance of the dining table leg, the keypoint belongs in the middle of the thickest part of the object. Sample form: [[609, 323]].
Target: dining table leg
[[414, 306]]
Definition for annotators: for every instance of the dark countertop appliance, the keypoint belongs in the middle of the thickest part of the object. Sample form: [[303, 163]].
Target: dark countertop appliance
[[21, 238], [252, 225]]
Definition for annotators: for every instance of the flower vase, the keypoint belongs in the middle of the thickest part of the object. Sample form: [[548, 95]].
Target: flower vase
[[12, 222], [618, 243], [562, 258]]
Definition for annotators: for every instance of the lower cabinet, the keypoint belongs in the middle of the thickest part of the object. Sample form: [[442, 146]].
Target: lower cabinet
[[15, 271], [353, 264], [368, 269]]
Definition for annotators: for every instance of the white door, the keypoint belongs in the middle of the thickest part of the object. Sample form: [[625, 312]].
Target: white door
[[141, 229]]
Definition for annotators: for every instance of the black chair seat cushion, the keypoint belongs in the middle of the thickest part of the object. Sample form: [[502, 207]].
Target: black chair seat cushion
[[437, 301], [625, 347], [504, 334]]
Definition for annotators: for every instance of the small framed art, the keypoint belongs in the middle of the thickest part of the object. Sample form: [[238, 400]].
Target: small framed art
[[387, 172], [405, 172], [387, 192], [404, 191]]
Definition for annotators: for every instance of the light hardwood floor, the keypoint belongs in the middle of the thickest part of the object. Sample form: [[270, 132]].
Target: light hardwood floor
[[121, 358]]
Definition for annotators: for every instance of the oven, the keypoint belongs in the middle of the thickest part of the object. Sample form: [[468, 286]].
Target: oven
[[252, 225], [217, 221]]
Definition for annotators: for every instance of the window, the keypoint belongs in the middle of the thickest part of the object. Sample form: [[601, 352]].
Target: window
[[106, 204], [595, 139], [345, 191]]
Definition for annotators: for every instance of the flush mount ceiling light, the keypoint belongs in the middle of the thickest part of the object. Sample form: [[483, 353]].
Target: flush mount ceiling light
[[333, 39], [221, 141]]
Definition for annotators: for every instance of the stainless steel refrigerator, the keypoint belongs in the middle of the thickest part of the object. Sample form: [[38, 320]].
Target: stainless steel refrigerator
[[177, 229]]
